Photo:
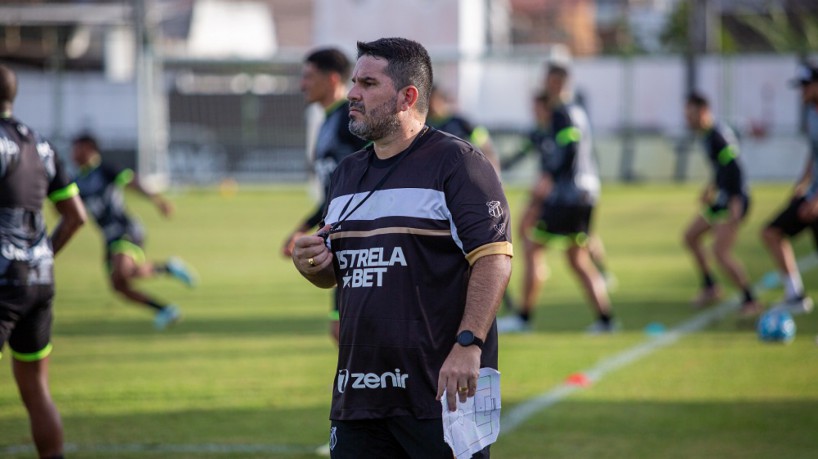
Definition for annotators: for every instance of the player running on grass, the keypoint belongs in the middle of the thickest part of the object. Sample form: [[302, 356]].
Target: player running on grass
[[802, 211], [101, 188], [726, 201], [559, 212]]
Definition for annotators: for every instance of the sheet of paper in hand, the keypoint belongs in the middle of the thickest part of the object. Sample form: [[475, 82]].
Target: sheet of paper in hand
[[476, 423]]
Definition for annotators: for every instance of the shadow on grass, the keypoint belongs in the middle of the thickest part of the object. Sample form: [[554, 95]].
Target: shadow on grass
[[249, 433], [215, 326], [741, 429]]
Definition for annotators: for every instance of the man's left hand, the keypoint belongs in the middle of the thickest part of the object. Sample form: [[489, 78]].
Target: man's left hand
[[458, 375]]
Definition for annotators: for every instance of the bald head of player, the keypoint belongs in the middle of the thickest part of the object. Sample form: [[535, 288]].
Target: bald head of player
[[8, 90]]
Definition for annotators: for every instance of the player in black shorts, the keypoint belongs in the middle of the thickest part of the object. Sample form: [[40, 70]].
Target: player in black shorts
[[323, 81], [802, 211], [420, 264], [725, 200], [101, 188], [30, 173], [559, 212]]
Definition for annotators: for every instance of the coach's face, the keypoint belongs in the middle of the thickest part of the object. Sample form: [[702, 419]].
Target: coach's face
[[373, 100]]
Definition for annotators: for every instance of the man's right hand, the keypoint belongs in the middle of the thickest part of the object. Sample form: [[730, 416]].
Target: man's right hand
[[313, 259]]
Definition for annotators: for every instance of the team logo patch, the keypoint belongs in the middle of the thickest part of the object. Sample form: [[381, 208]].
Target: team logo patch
[[495, 210]]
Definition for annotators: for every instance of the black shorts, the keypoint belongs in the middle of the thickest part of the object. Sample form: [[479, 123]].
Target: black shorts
[[558, 222], [718, 210], [25, 321], [401, 437], [788, 222]]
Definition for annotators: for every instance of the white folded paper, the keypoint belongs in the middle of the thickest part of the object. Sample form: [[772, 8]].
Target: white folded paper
[[476, 422]]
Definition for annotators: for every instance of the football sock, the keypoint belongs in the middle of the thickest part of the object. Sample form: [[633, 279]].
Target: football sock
[[605, 318], [748, 295], [525, 315], [707, 280], [793, 286], [155, 305]]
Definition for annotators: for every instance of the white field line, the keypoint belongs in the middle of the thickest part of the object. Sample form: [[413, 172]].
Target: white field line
[[514, 419], [528, 408]]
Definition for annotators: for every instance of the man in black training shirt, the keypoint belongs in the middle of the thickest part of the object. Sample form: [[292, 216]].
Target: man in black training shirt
[[725, 200], [419, 246], [30, 172], [101, 188], [323, 81]]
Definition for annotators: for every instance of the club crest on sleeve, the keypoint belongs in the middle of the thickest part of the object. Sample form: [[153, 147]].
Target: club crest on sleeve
[[495, 209]]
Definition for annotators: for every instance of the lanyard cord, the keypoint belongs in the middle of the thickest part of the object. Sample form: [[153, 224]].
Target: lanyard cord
[[377, 186]]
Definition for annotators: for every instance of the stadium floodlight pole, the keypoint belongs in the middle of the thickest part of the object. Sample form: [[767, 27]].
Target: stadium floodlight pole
[[152, 117]]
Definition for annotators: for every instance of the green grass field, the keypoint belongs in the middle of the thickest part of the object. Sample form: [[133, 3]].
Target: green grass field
[[248, 373]]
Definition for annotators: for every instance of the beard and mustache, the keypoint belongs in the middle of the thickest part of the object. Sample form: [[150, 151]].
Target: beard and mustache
[[377, 123]]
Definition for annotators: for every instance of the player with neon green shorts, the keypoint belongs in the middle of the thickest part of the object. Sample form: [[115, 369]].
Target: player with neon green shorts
[[101, 188], [726, 200]]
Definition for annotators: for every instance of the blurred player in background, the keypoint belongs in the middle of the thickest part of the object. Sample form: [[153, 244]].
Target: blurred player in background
[[802, 211], [726, 201], [443, 117], [323, 81], [101, 188], [30, 172], [557, 83], [560, 210]]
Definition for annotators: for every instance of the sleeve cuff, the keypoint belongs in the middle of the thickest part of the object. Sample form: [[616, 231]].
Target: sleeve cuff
[[64, 193], [493, 248]]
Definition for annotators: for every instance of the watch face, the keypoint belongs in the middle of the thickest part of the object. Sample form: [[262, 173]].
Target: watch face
[[465, 338]]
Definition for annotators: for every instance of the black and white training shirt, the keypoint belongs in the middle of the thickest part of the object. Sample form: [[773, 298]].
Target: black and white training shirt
[[30, 172], [402, 263]]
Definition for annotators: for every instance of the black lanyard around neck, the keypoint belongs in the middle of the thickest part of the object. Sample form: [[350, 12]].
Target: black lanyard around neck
[[342, 218]]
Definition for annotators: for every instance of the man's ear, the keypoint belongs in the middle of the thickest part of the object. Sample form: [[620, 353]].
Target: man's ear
[[407, 98]]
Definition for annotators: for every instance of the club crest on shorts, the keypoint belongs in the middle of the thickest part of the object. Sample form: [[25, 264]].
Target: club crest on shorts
[[495, 210]]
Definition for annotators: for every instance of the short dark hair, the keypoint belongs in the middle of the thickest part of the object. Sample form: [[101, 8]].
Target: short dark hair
[[557, 68], [8, 85], [408, 63], [88, 139], [697, 100], [330, 60]]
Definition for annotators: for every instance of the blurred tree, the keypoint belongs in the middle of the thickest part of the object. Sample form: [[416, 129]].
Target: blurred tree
[[674, 36]]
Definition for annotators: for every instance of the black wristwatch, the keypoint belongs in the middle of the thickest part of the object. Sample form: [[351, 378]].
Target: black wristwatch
[[466, 338]]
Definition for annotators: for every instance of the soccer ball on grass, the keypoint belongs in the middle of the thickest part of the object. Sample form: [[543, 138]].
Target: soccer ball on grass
[[776, 325]]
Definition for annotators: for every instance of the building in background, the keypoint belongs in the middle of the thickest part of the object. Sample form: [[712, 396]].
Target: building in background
[[233, 106]]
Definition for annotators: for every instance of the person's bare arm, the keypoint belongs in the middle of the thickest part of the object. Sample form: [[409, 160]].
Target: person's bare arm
[[164, 206], [72, 217], [488, 281], [806, 177]]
